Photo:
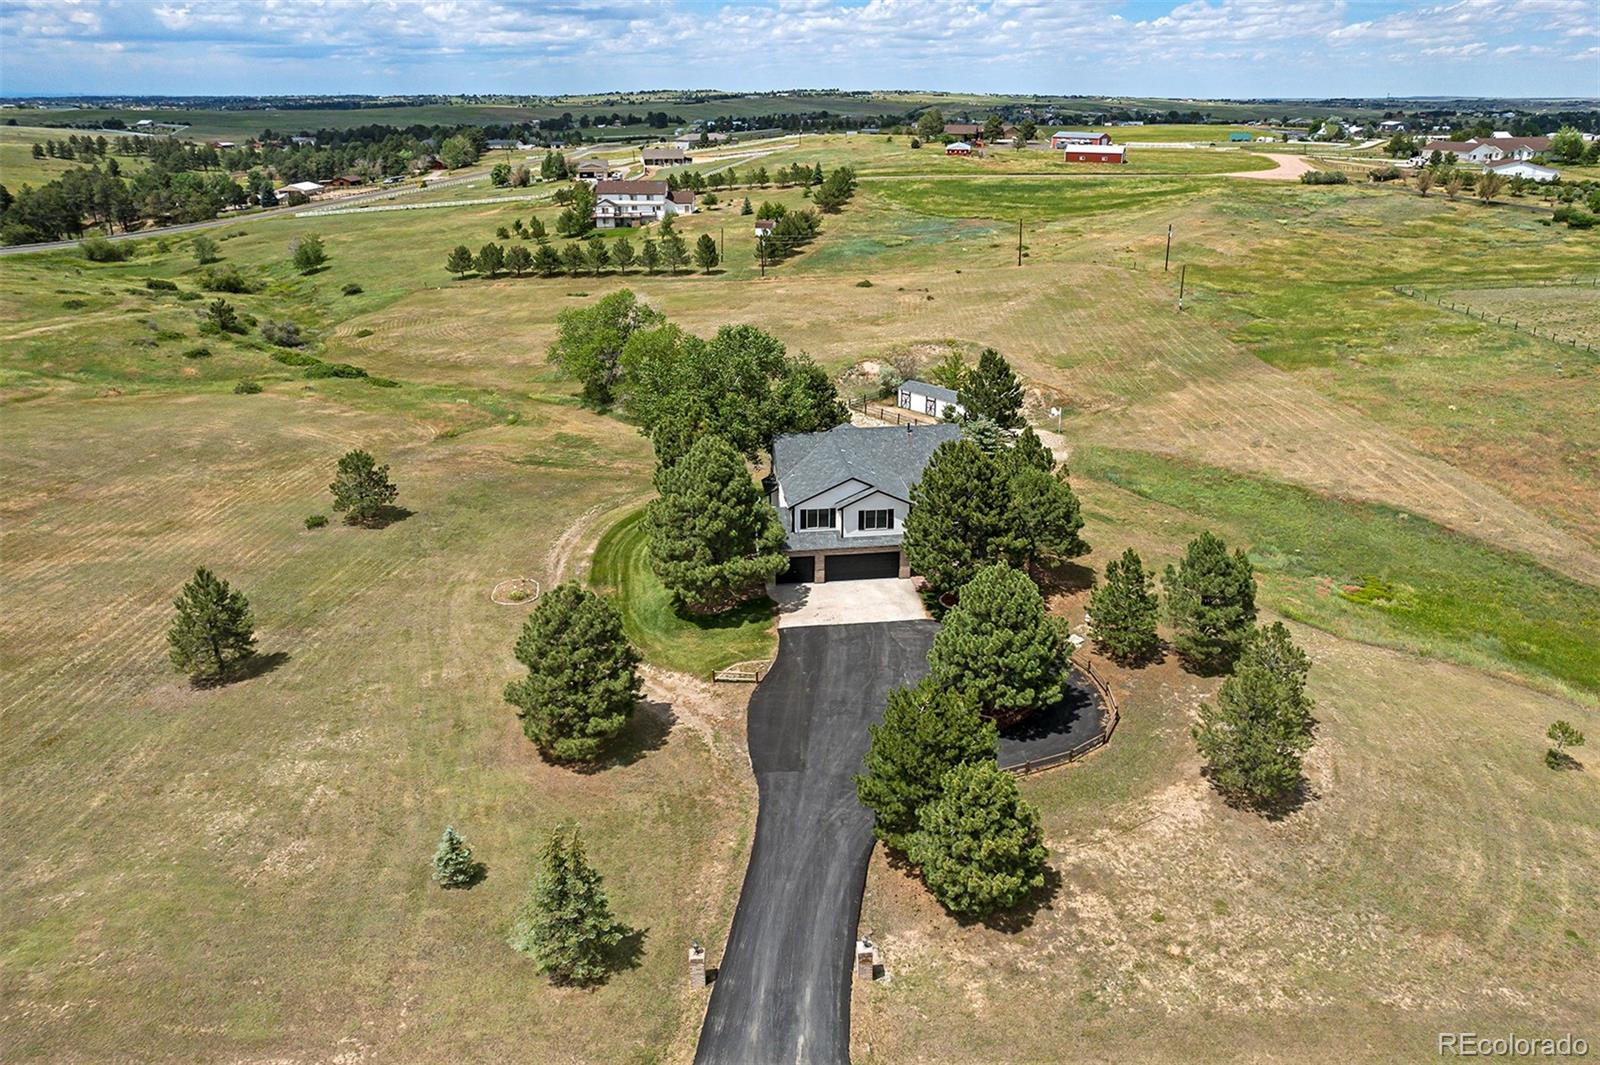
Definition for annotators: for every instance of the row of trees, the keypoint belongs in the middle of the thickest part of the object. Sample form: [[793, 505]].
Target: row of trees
[[591, 256]]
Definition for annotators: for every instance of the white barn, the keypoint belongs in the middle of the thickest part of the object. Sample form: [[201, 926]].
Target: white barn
[[925, 398]]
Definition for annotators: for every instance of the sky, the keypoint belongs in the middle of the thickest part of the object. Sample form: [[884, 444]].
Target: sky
[[1192, 49]]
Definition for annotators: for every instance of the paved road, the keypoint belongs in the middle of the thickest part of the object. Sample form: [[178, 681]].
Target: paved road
[[782, 994]]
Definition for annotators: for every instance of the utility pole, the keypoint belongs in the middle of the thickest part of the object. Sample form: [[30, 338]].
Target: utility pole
[[761, 243], [1168, 260], [722, 242], [1019, 242], [1182, 271]]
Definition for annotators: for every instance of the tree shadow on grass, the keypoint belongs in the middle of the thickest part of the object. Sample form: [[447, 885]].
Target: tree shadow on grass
[[647, 730], [387, 516], [734, 617], [257, 665], [1561, 761], [629, 953], [1276, 808], [1066, 578]]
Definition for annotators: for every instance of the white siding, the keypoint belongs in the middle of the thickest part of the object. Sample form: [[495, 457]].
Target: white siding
[[875, 501], [914, 400]]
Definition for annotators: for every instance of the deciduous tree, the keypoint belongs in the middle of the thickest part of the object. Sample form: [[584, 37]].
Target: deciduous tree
[[589, 340], [308, 253], [582, 680]]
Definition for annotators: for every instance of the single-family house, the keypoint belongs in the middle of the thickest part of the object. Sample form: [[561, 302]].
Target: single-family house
[[958, 148], [671, 156], [843, 497], [1473, 151], [1095, 153], [620, 204], [925, 398], [1521, 168], [1521, 147], [303, 142], [1061, 138], [345, 181], [964, 131]]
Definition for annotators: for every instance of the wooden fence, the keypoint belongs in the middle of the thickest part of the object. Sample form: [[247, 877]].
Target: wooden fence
[[1501, 319], [895, 415], [743, 672], [1093, 743]]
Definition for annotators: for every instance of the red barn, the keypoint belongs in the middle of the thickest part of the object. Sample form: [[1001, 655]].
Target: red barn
[[1095, 153]]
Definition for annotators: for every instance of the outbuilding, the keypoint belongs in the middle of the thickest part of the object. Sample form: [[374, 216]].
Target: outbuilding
[[1518, 168], [1061, 138], [1095, 153], [931, 399], [958, 148]]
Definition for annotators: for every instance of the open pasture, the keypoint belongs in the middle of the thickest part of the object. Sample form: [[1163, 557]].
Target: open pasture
[[18, 167]]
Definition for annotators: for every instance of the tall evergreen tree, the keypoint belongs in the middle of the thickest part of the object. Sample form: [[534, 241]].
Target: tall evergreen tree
[[214, 629], [573, 259], [583, 678], [999, 646], [361, 489], [649, 255], [714, 540], [623, 254], [705, 253], [1256, 733], [978, 844], [567, 926], [1124, 609], [547, 260], [991, 389], [453, 864], [519, 259], [589, 340], [674, 253], [1211, 602], [1045, 519], [1028, 450], [491, 258], [959, 518], [926, 731], [459, 261]]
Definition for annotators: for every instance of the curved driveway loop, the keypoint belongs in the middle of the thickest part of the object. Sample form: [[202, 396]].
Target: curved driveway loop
[[782, 993]]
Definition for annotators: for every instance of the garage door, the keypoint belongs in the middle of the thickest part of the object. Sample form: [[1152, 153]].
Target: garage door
[[802, 570], [874, 566]]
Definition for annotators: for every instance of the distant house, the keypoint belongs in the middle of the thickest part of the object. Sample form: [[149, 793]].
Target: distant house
[[1512, 168], [304, 188], [1391, 126], [598, 170], [963, 131], [620, 204], [843, 497], [1521, 147], [1061, 138], [925, 398], [958, 148], [501, 145], [303, 142], [665, 157], [1470, 151], [1241, 136], [1095, 153], [345, 181]]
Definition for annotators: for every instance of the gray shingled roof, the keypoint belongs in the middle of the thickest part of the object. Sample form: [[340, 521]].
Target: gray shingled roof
[[889, 459], [830, 539], [949, 395]]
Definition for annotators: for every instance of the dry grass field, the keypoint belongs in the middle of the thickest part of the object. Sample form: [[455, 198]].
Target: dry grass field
[[241, 873]]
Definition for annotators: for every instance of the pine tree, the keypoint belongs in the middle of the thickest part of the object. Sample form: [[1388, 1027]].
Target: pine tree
[[745, 208], [536, 228], [714, 540], [547, 260], [583, 678], [674, 253], [453, 865], [459, 261], [596, 255], [705, 252], [1028, 450], [519, 259], [1211, 602], [1563, 734], [214, 629], [308, 253], [649, 256], [573, 259], [567, 926], [361, 489], [978, 844], [622, 252], [1124, 609], [1044, 519], [1255, 734], [991, 389], [926, 731], [491, 258], [1000, 647], [960, 510]]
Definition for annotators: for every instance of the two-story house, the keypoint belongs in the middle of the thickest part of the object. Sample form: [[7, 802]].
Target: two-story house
[[843, 497], [619, 204]]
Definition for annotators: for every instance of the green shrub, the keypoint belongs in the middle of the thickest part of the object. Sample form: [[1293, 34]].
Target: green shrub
[[101, 250], [189, 297], [283, 334], [160, 284], [1324, 177], [863, 284], [225, 277], [168, 334], [316, 521], [246, 388], [198, 353], [295, 358], [352, 289], [360, 333], [383, 382], [74, 304], [334, 369]]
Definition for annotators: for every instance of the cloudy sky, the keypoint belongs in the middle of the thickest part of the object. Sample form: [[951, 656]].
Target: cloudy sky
[[1198, 48]]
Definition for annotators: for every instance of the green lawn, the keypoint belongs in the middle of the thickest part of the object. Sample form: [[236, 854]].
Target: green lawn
[[1439, 593], [666, 635]]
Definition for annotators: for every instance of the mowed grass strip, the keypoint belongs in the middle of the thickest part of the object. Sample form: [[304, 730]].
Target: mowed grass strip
[[1448, 595], [666, 635], [1012, 199]]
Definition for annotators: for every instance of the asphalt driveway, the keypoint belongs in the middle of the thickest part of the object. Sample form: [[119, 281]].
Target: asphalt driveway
[[782, 993]]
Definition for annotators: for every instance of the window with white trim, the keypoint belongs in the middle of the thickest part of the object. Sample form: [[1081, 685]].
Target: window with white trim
[[822, 518], [873, 520]]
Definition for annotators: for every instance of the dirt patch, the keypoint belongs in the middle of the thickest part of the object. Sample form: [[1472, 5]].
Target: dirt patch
[[1289, 168]]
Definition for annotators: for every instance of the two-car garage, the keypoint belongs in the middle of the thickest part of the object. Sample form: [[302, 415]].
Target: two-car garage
[[842, 566]]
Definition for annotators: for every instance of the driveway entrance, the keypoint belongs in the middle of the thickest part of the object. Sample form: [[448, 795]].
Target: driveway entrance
[[848, 602]]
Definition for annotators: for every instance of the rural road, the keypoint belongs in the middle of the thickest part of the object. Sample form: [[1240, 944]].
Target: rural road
[[782, 992]]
